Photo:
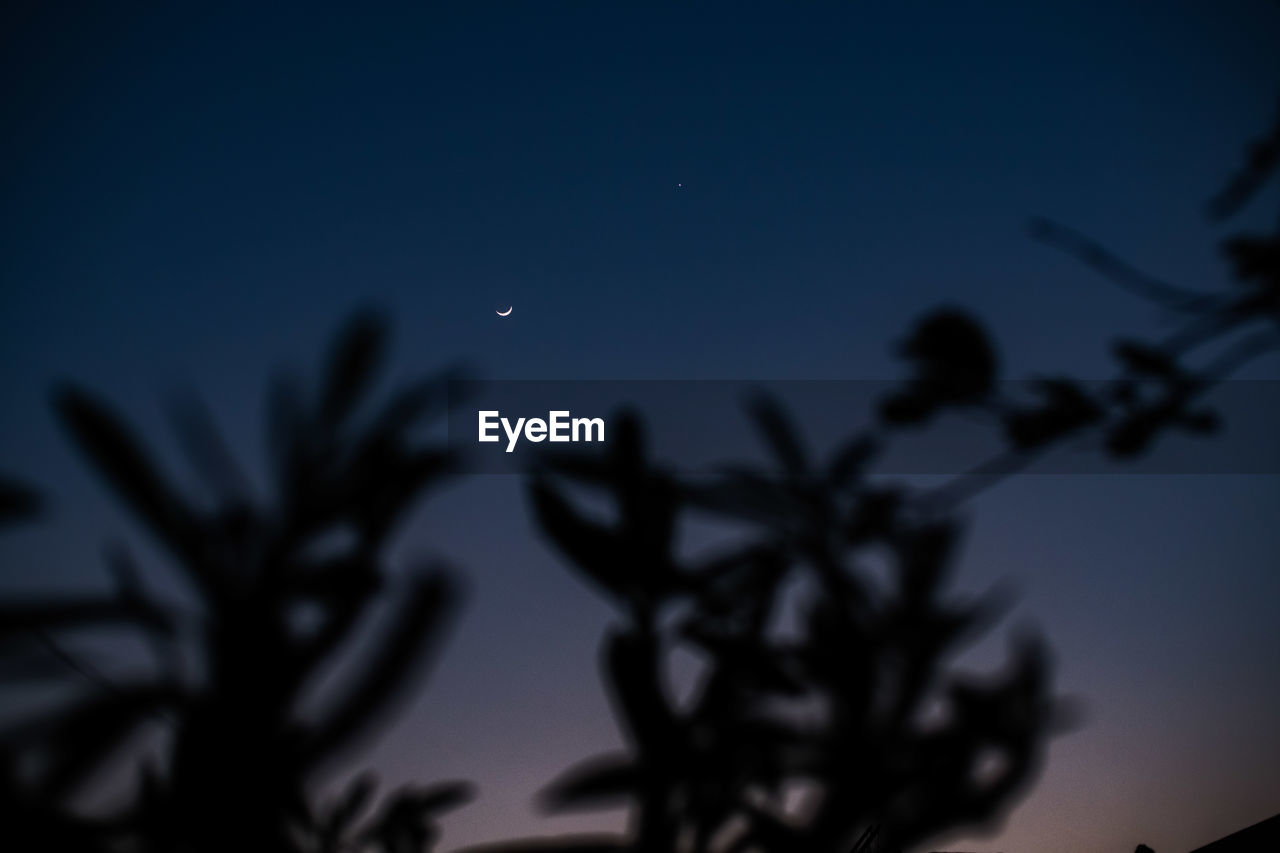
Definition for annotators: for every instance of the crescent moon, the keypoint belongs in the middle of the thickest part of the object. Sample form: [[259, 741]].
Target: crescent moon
[[504, 313]]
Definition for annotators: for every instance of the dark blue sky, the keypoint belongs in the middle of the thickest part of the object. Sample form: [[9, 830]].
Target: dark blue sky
[[193, 196]]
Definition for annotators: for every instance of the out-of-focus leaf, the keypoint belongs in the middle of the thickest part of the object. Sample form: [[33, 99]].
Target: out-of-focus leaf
[[875, 515], [1134, 434], [354, 361], [443, 796], [18, 618], [27, 662], [207, 451], [389, 491], [1066, 408], [953, 363], [627, 449], [632, 667], [924, 555], [420, 400], [1256, 260], [592, 547], [1144, 359], [91, 731], [1260, 163], [740, 580], [1201, 421], [779, 433], [286, 433], [110, 445], [17, 502], [408, 641], [850, 459], [603, 781], [907, 408], [354, 799], [743, 494], [407, 823]]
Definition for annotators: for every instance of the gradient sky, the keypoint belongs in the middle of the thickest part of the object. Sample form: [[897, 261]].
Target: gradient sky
[[196, 195]]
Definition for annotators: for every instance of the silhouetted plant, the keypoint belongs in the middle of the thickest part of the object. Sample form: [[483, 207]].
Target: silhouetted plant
[[282, 586], [827, 716], [18, 502], [854, 705], [1160, 384]]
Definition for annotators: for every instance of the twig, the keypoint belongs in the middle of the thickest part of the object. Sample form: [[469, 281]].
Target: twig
[[1112, 267]]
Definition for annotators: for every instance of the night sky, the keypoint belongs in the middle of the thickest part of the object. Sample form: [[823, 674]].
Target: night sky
[[728, 191]]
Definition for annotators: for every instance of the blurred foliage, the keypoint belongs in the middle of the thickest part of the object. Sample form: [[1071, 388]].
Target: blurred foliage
[[846, 729], [828, 714], [804, 736], [283, 586]]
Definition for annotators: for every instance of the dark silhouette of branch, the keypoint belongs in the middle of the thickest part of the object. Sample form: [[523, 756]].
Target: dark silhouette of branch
[[847, 731], [1131, 426], [1120, 272], [246, 746], [1260, 163]]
